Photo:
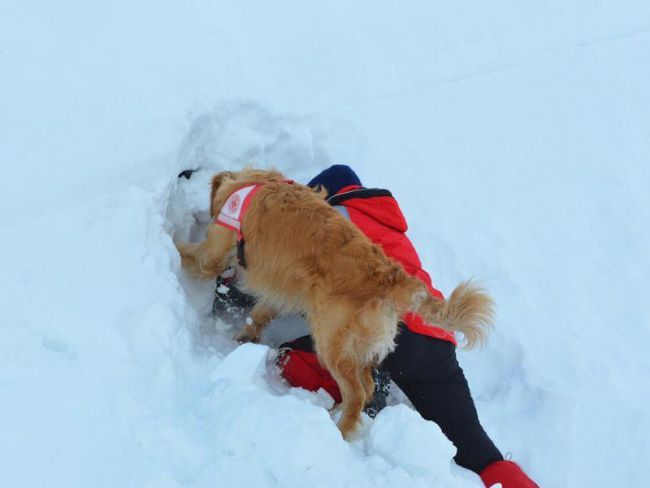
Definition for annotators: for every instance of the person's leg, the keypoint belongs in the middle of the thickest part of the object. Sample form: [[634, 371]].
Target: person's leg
[[427, 371]]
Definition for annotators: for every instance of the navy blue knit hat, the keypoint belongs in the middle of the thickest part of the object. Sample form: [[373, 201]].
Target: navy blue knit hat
[[334, 178]]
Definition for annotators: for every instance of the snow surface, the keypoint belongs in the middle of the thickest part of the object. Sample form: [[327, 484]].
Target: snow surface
[[516, 136]]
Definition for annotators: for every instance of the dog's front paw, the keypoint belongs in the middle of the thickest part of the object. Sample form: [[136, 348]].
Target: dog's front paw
[[191, 263], [248, 334], [187, 256], [244, 339]]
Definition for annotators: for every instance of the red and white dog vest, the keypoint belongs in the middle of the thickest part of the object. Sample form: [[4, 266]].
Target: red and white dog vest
[[232, 213]]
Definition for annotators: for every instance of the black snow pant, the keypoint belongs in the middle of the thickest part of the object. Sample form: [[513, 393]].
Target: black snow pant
[[427, 371]]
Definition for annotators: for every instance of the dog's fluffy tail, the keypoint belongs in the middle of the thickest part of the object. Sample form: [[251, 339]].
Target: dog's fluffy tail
[[468, 310]]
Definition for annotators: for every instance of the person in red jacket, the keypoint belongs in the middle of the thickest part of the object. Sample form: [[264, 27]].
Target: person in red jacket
[[423, 364]]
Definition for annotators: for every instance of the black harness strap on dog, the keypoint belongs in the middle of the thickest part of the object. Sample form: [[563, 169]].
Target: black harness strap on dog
[[241, 258]]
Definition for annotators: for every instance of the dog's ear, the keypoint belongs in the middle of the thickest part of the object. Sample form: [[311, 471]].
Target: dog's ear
[[217, 181]]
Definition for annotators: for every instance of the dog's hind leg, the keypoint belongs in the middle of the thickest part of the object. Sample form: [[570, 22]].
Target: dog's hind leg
[[368, 383], [348, 374], [331, 325]]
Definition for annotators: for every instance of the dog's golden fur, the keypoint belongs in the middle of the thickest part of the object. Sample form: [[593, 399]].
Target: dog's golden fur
[[302, 256]]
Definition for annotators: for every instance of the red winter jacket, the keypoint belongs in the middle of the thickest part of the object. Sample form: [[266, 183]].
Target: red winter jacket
[[377, 214]]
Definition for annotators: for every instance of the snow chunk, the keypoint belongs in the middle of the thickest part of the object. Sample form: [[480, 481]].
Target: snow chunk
[[319, 398], [246, 364], [399, 435]]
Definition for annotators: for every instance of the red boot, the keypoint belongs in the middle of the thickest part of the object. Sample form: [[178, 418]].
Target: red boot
[[302, 369], [509, 474]]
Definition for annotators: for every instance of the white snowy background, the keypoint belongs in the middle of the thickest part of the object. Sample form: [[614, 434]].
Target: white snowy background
[[514, 134]]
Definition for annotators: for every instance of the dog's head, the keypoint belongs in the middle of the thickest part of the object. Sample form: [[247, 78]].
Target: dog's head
[[224, 183]]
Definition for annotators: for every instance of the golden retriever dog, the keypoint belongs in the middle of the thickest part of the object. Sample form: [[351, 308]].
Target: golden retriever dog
[[302, 256]]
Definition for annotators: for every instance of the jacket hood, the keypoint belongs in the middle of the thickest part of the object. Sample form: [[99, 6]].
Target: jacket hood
[[382, 208]]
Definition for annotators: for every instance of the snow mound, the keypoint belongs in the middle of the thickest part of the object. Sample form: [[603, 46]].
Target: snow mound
[[263, 438]]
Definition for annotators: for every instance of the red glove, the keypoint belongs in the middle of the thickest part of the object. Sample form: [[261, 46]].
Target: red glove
[[509, 474]]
